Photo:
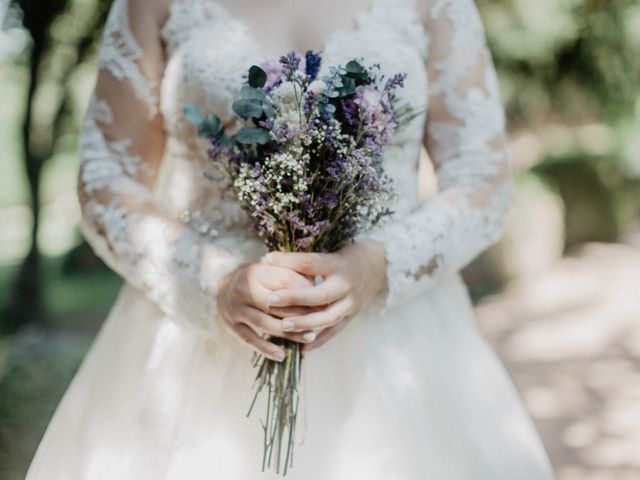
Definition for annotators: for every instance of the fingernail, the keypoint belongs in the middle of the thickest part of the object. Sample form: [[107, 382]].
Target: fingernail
[[273, 299], [287, 325], [279, 355], [268, 258], [309, 336]]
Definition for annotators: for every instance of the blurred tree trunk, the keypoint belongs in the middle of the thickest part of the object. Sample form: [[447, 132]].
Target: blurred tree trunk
[[26, 300]]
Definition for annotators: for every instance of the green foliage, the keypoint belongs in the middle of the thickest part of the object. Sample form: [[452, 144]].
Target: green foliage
[[253, 103], [252, 106], [257, 77], [573, 58], [573, 63], [247, 108], [341, 82], [251, 135]]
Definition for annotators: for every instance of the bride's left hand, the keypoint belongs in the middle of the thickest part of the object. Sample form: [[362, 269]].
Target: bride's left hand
[[351, 278]]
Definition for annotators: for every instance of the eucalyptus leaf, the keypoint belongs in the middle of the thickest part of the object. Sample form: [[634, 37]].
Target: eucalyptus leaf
[[348, 87], [226, 140], [210, 127], [329, 108], [247, 108], [247, 92], [267, 109], [354, 68], [192, 114], [257, 77], [251, 135]]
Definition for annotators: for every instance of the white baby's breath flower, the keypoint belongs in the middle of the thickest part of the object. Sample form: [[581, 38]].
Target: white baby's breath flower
[[284, 93], [288, 100], [317, 87]]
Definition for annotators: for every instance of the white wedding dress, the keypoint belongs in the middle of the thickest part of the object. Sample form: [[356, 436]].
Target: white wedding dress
[[409, 390]]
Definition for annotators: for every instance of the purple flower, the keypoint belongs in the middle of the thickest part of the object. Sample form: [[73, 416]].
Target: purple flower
[[312, 64], [351, 113], [290, 65], [329, 200], [309, 100], [397, 81], [275, 73], [304, 244], [368, 97]]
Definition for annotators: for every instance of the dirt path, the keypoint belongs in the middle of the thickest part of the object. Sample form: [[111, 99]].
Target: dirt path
[[571, 339]]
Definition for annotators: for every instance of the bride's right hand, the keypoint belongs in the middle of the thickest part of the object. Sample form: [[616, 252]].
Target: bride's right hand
[[243, 305]]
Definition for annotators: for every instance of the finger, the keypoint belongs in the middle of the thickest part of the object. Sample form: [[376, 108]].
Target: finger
[[257, 343], [264, 300], [261, 322], [284, 312], [333, 314], [307, 263], [263, 279], [275, 277], [303, 338], [323, 337], [325, 293]]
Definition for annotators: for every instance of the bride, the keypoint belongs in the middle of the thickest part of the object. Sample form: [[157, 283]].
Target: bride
[[399, 383]]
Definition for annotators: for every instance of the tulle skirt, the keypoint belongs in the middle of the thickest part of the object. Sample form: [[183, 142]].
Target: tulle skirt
[[412, 395]]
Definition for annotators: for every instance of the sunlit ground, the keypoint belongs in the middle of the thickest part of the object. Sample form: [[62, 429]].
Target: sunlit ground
[[571, 339]]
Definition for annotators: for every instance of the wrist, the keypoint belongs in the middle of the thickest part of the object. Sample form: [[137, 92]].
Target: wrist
[[377, 260]]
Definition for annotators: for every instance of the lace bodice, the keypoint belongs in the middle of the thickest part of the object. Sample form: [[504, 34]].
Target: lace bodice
[[157, 212]]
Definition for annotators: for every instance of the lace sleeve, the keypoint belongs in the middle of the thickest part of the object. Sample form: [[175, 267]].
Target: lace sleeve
[[465, 138], [120, 149]]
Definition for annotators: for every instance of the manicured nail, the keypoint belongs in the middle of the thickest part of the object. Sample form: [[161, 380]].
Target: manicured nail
[[268, 258], [287, 325], [273, 299], [279, 355], [309, 336]]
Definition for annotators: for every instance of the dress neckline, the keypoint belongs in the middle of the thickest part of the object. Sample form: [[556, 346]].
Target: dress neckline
[[359, 18]]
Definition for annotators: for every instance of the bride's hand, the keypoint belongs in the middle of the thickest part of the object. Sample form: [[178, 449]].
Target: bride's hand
[[351, 278], [243, 304]]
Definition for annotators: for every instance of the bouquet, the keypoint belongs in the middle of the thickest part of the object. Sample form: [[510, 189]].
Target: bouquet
[[306, 165]]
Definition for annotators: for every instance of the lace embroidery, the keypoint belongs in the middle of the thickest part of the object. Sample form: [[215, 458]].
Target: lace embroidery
[[468, 214], [174, 264], [159, 256], [468, 31], [107, 164], [120, 53], [196, 219], [403, 17], [171, 265]]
